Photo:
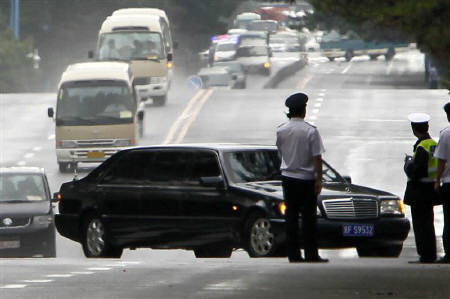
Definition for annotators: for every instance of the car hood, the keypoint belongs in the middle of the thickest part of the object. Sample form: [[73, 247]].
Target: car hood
[[274, 189], [24, 208]]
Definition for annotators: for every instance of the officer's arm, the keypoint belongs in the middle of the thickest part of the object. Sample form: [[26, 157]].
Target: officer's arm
[[317, 160], [419, 167]]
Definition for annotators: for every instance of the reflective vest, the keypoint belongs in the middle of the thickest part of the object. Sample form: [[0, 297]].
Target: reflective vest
[[429, 145]]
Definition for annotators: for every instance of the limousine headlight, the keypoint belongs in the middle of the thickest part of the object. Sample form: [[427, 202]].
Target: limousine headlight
[[392, 207]]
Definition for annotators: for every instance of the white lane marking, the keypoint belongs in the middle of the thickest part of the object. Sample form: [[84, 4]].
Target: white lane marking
[[319, 99], [183, 115], [323, 90], [321, 94], [317, 104], [194, 116], [226, 285], [51, 137], [29, 155], [312, 123], [315, 111], [82, 272], [132, 262], [13, 286], [37, 148], [99, 269], [347, 68], [59, 275], [38, 280], [21, 163], [312, 117]]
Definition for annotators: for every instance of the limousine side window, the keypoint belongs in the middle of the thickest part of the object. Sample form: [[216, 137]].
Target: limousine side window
[[129, 169], [204, 164], [167, 168]]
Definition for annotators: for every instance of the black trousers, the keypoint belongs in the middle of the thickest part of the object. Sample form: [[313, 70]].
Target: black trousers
[[300, 198], [423, 225], [445, 193]]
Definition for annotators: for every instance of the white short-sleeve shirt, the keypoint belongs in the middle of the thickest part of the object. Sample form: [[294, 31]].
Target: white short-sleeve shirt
[[443, 152], [298, 142]]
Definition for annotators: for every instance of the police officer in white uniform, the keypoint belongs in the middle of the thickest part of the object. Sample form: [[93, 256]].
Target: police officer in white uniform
[[419, 194], [301, 148], [442, 152]]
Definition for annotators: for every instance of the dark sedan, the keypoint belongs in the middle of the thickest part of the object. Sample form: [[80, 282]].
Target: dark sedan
[[213, 198], [26, 214]]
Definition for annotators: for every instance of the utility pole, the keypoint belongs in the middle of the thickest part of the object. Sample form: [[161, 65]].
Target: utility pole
[[14, 20]]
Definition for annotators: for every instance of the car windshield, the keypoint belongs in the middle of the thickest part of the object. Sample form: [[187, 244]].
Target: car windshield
[[131, 46], [252, 51], [264, 165], [22, 188], [95, 103]]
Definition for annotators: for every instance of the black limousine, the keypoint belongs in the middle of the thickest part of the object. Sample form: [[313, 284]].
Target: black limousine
[[214, 198]]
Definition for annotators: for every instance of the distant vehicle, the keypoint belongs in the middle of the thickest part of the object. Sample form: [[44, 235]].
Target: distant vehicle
[[270, 26], [214, 198], [217, 76], [97, 113], [334, 45], [225, 51], [139, 39], [165, 24], [285, 42], [255, 59], [242, 20], [27, 225], [236, 69], [254, 38], [311, 44]]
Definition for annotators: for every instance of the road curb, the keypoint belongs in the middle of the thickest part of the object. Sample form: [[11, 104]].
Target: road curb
[[285, 72]]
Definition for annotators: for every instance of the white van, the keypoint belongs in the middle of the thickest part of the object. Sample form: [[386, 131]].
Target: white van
[[138, 39], [97, 113]]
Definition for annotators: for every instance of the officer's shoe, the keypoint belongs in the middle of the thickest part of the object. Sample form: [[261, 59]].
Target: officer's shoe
[[298, 259], [316, 259], [444, 260]]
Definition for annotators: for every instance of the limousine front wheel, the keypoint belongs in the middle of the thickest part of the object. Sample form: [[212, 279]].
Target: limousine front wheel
[[260, 238], [95, 240]]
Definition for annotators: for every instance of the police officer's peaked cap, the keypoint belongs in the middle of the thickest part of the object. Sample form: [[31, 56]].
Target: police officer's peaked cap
[[297, 100], [418, 118], [447, 108]]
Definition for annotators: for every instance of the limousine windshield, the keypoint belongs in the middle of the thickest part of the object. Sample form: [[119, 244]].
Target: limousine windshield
[[256, 166]]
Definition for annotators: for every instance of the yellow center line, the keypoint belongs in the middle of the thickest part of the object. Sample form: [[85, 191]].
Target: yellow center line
[[194, 115], [182, 116]]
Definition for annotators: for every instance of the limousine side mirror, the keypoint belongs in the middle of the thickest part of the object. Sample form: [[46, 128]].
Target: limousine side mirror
[[347, 178], [50, 112], [212, 181]]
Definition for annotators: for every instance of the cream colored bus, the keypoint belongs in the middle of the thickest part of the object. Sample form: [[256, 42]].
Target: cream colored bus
[[138, 39], [97, 113]]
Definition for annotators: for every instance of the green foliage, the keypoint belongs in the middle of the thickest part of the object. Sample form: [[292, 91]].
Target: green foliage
[[17, 70], [426, 22]]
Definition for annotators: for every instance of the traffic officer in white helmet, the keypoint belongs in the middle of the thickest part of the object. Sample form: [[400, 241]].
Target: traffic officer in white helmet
[[420, 195], [301, 148]]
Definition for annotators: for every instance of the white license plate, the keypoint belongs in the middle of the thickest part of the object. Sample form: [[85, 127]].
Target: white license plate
[[9, 244], [358, 230]]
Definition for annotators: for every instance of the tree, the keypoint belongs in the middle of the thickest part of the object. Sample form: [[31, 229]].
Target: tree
[[426, 22], [17, 70]]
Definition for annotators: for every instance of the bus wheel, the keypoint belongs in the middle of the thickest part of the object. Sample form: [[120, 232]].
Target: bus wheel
[[160, 101]]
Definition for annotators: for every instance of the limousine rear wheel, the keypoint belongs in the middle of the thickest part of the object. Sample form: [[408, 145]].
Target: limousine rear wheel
[[95, 240], [260, 239]]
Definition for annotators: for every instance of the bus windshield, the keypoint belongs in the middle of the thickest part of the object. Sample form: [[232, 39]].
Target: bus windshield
[[95, 103], [131, 45]]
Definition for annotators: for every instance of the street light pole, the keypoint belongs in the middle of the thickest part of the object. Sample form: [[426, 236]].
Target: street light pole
[[15, 18]]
